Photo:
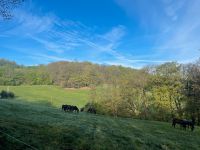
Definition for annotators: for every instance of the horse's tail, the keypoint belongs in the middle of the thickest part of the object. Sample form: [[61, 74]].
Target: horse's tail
[[174, 122]]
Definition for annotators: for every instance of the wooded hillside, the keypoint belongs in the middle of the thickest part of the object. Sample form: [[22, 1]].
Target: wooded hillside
[[156, 92]]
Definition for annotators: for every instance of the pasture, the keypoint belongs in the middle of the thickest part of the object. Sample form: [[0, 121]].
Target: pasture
[[50, 95], [47, 127]]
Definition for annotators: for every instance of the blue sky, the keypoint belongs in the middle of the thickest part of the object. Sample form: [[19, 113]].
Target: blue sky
[[132, 33]]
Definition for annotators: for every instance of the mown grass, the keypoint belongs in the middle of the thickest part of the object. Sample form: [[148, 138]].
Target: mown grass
[[46, 127], [50, 95]]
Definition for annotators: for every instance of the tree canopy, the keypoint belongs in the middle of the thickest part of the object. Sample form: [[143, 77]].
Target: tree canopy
[[7, 6]]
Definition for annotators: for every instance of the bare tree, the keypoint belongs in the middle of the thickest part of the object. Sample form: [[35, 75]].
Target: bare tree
[[6, 7]]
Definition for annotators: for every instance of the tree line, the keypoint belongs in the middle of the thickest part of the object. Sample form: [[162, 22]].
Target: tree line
[[157, 92], [13, 74], [65, 74]]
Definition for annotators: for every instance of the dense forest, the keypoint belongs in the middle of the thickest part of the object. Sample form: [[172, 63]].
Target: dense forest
[[157, 92]]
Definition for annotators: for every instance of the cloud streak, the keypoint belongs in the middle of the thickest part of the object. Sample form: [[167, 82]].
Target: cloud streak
[[60, 36], [175, 26]]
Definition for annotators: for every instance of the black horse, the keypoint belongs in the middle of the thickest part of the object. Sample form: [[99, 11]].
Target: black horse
[[74, 109], [82, 109], [70, 108], [65, 107], [190, 124], [183, 123], [92, 110]]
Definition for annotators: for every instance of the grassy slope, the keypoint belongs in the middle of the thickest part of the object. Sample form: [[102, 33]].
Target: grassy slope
[[51, 95], [47, 127]]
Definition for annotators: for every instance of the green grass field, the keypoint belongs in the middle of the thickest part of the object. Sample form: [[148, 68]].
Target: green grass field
[[45, 127], [50, 95], [28, 119]]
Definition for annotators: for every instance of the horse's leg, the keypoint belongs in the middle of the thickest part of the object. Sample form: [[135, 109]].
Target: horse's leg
[[181, 126], [185, 126], [192, 127]]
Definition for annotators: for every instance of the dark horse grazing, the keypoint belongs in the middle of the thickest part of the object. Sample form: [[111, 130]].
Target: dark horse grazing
[[183, 123], [65, 107], [74, 108], [70, 108], [92, 110], [82, 109]]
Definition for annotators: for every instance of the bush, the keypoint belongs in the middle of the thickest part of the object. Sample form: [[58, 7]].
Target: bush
[[6, 95]]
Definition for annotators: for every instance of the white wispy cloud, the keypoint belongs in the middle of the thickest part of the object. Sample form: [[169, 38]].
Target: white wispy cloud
[[183, 39], [171, 8], [175, 26], [60, 36], [115, 34], [49, 58], [29, 23], [47, 29]]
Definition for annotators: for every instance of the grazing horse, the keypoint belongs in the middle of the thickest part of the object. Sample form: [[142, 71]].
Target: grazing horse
[[92, 110], [74, 108], [82, 109], [65, 107], [70, 108], [190, 124], [176, 121], [183, 123]]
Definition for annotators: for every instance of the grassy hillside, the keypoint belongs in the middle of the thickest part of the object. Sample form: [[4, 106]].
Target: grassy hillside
[[51, 95], [45, 127]]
